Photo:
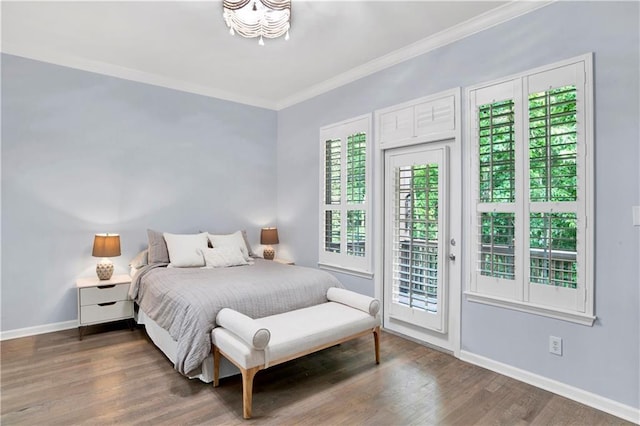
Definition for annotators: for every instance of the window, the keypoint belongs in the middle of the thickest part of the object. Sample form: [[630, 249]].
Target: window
[[416, 228], [532, 186], [345, 191]]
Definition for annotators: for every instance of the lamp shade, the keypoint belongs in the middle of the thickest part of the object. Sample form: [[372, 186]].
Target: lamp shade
[[269, 236], [106, 245]]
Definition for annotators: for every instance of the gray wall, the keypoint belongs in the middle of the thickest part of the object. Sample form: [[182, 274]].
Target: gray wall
[[603, 359], [84, 153]]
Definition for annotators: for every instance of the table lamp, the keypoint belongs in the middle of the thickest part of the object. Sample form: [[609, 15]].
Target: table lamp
[[104, 246], [269, 236]]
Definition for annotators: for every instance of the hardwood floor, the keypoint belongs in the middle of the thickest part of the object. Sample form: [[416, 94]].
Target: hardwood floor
[[119, 377]]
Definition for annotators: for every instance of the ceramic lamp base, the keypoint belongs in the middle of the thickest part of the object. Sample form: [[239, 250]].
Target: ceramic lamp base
[[104, 269], [269, 253]]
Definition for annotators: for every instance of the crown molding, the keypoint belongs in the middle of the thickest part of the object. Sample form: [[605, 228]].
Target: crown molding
[[465, 29], [56, 58], [472, 26]]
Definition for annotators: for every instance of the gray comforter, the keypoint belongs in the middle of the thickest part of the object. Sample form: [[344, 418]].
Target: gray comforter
[[186, 301]]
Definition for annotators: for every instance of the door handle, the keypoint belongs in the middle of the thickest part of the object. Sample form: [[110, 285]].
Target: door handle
[[452, 256]]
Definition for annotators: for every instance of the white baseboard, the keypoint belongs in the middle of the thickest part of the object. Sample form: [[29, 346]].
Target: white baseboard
[[38, 329], [601, 403]]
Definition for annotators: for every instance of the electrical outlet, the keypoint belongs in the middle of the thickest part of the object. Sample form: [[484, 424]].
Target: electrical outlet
[[555, 345]]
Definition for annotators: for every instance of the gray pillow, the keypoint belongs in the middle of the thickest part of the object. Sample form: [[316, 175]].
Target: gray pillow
[[141, 259], [246, 241], [158, 252]]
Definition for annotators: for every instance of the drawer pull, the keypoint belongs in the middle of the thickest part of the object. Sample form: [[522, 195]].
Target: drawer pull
[[102, 287], [106, 304]]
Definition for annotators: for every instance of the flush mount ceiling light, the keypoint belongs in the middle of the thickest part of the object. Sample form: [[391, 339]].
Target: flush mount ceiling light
[[258, 18]]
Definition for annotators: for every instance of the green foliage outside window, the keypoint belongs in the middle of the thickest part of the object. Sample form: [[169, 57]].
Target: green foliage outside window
[[332, 171], [356, 232], [356, 167], [332, 231], [419, 200], [355, 164], [497, 152], [552, 152], [553, 145], [424, 202]]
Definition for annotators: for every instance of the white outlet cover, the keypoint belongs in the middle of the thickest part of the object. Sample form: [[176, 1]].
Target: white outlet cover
[[636, 215], [555, 345]]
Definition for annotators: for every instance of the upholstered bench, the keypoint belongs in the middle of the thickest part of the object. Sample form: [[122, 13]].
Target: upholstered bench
[[256, 344]]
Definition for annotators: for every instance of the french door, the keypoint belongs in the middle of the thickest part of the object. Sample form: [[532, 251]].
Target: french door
[[416, 255]]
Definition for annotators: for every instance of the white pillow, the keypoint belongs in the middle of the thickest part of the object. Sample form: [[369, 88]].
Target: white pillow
[[185, 251], [221, 257], [231, 240]]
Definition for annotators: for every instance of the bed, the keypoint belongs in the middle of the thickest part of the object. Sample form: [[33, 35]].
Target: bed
[[178, 306]]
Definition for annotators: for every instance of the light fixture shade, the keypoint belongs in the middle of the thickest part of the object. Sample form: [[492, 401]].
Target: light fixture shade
[[106, 245], [269, 236], [257, 18]]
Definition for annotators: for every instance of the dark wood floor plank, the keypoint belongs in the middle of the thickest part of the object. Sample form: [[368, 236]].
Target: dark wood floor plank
[[119, 377]]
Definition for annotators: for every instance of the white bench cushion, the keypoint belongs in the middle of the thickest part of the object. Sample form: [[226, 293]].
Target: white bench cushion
[[295, 332], [249, 330], [355, 300]]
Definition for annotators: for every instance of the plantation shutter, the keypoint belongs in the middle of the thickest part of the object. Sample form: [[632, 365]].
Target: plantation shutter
[[495, 186], [345, 206], [531, 183], [332, 194], [555, 214]]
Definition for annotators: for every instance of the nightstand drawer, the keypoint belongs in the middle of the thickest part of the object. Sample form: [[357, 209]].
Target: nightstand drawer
[[109, 311], [102, 294]]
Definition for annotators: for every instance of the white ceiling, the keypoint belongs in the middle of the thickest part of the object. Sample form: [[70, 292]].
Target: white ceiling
[[186, 45]]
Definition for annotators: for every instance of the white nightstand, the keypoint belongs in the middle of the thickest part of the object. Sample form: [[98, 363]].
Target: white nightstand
[[101, 301], [285, 261]]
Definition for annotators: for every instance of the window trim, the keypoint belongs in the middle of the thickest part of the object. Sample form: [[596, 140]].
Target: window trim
[[532, 308], [343, 270], [516, 83], [342, 262]]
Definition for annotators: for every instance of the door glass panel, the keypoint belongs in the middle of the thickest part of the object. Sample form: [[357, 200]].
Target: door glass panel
[[415, 239]]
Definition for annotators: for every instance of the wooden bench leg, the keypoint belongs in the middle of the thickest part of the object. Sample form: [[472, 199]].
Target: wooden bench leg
[[376, 341], [216, 366], [247, 390]]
